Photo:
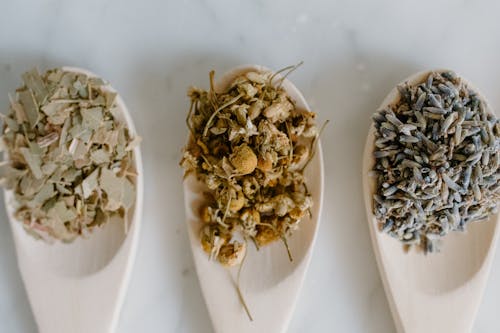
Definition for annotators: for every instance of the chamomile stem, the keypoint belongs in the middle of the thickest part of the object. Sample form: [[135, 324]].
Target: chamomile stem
[[211, 119], [238, 289], [312, 149]]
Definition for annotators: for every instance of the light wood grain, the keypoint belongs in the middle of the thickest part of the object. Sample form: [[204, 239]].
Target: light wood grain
[[434, 293], [80, 287], [269, 281]]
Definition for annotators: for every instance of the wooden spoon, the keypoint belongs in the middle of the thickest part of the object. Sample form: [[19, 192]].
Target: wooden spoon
[[79, 287], [438, 292], [269, 282]]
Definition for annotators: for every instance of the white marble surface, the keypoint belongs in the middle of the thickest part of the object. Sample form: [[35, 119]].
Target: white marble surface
[[354, 52]]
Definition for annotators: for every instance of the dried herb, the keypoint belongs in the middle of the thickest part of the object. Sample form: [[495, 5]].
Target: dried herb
[[249, 145], [437, 154], [69, 159]]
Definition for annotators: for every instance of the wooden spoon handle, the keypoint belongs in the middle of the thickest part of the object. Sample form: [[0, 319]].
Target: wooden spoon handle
[[78, 304], [431, 314]]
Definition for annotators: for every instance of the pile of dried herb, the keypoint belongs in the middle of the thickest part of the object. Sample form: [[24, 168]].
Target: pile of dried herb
[[69, 160], [437, 161], [249, 145]]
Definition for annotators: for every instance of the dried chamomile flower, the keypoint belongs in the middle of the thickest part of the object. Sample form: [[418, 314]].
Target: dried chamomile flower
[[232, 254], [68, 157], [249, 145], [243, 159], [437, 154]]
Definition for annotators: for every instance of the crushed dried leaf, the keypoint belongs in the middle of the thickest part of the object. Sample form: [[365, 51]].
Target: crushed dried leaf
[[68, 157]]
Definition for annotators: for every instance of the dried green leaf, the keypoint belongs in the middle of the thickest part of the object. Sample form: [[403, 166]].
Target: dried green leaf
[[110, 98], [60, 212], [33, 162], [62, 189], [30, 107], [96, 82], [49, 168], [90, 183], [60, 115], [34, 82], [100, 156], [113, 186], [71, 175], [92, 118], [29, 186], [45, 193], [11, 124], [18, 113]]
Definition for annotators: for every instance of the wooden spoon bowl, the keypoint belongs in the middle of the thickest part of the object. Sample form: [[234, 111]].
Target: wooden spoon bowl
[[438, 292], [269, 281], [79, 287]]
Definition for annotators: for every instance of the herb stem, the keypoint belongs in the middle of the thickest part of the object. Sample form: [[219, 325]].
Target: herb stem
[[210, 120], [313, 146], [238, 287]]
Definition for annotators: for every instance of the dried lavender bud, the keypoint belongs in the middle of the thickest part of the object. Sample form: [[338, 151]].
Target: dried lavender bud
[[436, 161]]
